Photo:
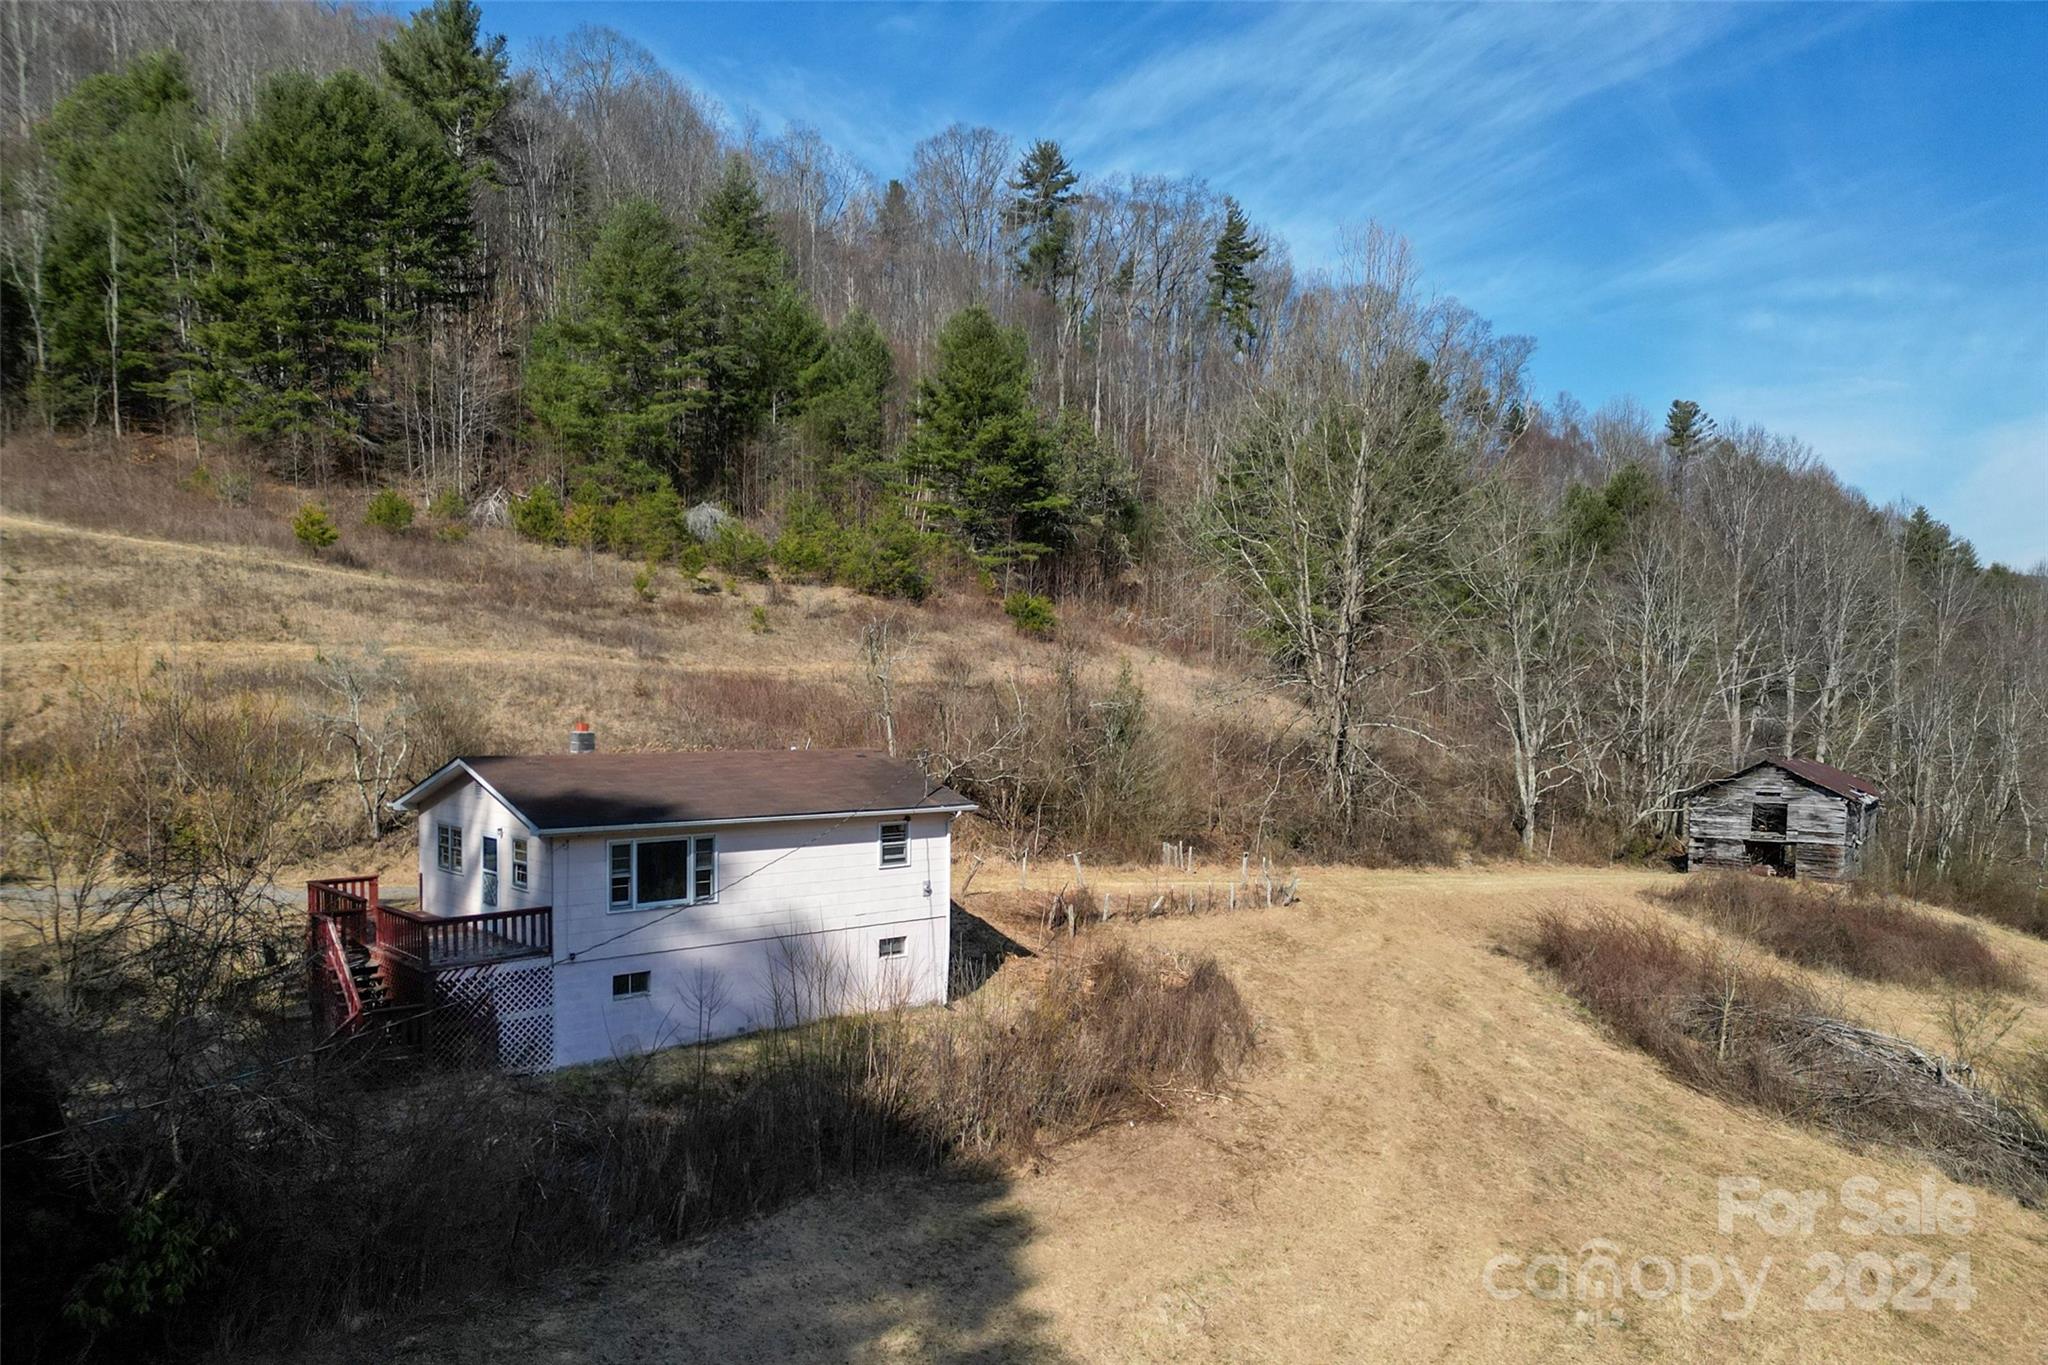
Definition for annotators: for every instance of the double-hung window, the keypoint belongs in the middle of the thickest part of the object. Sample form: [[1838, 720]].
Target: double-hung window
[[448, 847], [490, 872], [522, 873], [896, 843], [657, 872]]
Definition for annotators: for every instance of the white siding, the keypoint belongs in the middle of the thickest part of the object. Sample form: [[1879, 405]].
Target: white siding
[[801, 911], [466, 804], [802, 908]]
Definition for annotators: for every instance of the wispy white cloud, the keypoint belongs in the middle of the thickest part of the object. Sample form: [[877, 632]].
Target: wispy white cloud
[[1662, 194], [1441, 121]]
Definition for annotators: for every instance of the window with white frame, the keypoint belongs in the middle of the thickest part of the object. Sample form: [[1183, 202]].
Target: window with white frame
[[892, 947], [522, 875], [448, 847], [896, 843], [627, 985], [646, 873], [704, 870], [490, 872]]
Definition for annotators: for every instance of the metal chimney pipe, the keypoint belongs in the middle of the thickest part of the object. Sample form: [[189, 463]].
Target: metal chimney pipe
[[582, 739]]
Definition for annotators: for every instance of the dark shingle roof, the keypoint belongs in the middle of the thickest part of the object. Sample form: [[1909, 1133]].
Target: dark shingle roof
[[602, 791]]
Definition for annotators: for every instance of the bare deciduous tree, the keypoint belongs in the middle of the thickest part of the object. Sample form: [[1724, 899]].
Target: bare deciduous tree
[[1527, 592], [368, 718]]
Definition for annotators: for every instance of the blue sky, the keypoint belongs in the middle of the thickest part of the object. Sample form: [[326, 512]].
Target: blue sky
[[1829, 219]]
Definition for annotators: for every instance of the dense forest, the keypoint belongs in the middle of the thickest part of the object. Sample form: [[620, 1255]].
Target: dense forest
[[566, 294]]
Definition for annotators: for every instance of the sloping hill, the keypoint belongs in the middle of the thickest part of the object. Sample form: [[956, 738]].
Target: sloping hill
[[538, 637], [1426, 1103]]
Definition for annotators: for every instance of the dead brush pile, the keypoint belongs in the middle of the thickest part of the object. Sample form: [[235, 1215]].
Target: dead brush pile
[[1855, 931], [1109, 1035], [1746, 1033]]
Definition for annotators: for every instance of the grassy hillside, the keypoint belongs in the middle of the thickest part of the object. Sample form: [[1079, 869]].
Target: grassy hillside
[[1426, 1101], [115, 568]]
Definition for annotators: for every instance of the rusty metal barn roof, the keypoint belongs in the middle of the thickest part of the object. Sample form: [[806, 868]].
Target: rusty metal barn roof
[[1841, 783], [1834, 779]]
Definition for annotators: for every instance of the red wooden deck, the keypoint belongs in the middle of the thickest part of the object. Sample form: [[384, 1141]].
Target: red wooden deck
[[365, 957]]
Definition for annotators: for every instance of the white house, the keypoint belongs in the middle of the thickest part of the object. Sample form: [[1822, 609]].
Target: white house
[[583, 905]]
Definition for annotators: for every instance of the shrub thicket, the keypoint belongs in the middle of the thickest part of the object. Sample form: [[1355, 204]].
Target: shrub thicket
[[1032, 614], [538, 516], [1855, 931], [301, 1196], [389, 510], [1760, 1037]]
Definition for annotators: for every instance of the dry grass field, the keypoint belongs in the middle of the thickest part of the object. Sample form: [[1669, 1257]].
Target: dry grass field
[[524, 641], [537, 637], [1425, 1102]]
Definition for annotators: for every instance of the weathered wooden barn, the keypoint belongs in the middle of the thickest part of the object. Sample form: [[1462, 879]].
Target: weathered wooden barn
[[1791, 817]]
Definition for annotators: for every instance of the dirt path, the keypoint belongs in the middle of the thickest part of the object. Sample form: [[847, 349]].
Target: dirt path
[[1424, 1104], [251, 556]]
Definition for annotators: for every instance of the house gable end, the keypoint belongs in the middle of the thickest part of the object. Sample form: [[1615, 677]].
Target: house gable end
[[432, 791]]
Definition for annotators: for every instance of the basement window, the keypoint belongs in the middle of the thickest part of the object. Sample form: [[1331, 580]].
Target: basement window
[[896, 843], [893, 947], [448, 847], [629, 985]]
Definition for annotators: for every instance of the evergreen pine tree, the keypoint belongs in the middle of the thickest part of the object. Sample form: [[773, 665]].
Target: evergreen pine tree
[[445, 69], [1102, 508], [340, 216], [846, 404], [611, 378], [1687, 431], [1042, 216], [1233, 297], [978, 449], [131, 161], [1930, 545], [757, 335], [895, 225]]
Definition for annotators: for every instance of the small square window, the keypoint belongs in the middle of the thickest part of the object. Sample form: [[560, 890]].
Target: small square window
[[896, 844], [626, 985], [893, 947]]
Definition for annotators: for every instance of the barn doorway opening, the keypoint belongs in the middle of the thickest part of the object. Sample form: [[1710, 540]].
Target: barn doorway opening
[[1768, 817], [1769, 855]]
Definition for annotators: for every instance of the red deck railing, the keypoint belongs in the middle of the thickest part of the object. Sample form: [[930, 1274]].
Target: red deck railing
[[337, 963], [352, 905], [424, 964], [436, 940]]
